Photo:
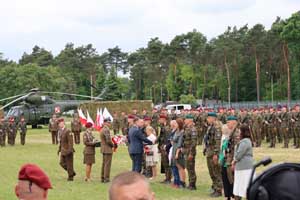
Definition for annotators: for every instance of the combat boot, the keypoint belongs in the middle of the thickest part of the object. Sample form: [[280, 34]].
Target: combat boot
[[216, 194], [192, 186]]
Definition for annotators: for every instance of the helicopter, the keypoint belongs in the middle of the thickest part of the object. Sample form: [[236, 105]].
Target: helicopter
[[37, 108]]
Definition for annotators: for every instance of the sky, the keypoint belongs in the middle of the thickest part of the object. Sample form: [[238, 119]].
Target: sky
[[130, 24]]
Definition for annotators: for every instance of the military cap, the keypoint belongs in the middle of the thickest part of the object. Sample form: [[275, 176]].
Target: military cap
[[231, 118], [34, 174], [89, 125], [189, 116], [212, 114]]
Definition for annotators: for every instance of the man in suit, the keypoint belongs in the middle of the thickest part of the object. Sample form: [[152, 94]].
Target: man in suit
[[106, 150], [136, 138], [66, 149]]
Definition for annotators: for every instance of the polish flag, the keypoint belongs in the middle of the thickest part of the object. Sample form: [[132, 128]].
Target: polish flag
[[101, 118], [106, 114], [89, 119], [82, 118]]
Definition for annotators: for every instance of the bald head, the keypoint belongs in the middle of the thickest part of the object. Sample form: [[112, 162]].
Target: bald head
[[130, 186]]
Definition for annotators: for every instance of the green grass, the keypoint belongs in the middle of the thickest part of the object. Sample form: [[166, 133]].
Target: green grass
[[39, 150]]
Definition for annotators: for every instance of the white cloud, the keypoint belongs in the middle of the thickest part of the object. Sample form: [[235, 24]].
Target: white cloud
[[127, 23]]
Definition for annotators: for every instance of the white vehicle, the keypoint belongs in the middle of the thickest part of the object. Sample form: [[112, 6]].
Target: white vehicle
[[178, 107]]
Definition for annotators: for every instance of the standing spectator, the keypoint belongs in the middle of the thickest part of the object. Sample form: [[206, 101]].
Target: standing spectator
[[178, 155], [136, 138], [152, 151], [230, 138], [243, 162], [106, 150], [33, 183], [89, 150]]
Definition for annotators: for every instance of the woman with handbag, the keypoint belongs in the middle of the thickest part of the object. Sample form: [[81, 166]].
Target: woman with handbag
[[151, 151], [89, 150]]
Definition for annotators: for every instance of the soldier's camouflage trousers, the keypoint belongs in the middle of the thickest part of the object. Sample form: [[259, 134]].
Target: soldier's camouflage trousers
[[286, 137], [215, 174], [297, 135], [272, 136], [257, 136], [22, 137], [165, 167], [190, 166], [2, 139]]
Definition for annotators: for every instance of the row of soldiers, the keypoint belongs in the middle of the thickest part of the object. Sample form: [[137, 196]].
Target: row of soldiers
[[76, 128], [275, 125], [9, 128]]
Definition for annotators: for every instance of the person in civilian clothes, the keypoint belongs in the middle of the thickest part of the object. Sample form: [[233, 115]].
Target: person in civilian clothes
[[243, 163], [136, 137], [89, 150]]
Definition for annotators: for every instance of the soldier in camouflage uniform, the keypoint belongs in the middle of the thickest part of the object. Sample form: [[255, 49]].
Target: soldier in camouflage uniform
[[265, 133], [163, 141], [256, 127], [278, 134], [284, 120], [198, 119], [123, 123], [154, 120], [270, 121], [292, 126], [222, 116], [116, 124], [22, 126], [53, 129], [212, 143], [11, 131], [2, 132], [189, 149], [296, 119], [76, 128]]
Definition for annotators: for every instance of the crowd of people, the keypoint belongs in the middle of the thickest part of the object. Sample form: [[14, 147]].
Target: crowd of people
[[227, 137]]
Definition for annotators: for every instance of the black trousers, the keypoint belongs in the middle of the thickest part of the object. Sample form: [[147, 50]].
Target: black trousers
[[228, 187]]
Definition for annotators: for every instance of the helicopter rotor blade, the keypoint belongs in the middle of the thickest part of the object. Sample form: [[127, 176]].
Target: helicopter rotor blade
[[12, 97], [70, 94], [18, 99]]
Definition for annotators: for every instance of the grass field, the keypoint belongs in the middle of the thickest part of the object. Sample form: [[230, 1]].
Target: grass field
[[39, 150]]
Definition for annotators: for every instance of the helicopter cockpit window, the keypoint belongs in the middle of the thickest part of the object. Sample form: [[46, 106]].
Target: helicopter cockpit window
[[14, 112]]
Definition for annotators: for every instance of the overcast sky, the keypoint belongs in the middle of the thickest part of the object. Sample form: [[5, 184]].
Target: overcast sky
[[126, 23]]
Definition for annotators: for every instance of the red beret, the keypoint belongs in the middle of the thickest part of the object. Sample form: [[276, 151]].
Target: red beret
[[60, 120], [88, 125], [33, 173], [146, 118], [130, 117], [163, 116]]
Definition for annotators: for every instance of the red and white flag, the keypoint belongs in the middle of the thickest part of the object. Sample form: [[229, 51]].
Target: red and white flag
[[82, 118], [99, 120], [106, 114], [89, 119]]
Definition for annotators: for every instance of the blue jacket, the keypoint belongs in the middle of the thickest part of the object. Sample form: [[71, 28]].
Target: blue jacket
[[136, 138]]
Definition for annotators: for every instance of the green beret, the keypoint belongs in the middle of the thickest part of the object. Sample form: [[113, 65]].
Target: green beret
[[230, 118], [189, 116], [212, 114]]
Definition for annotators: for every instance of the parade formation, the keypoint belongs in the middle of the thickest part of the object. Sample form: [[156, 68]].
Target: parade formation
[[174, 137]]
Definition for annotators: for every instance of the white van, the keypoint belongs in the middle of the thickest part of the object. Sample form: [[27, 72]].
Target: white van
[[178, 107]]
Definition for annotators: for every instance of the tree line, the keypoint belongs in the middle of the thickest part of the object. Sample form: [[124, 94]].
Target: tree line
[[241, 64]]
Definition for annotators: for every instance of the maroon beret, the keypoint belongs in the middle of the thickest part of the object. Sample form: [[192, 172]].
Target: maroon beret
[[34, 174], [130, 117], [60, 120], [89, 125], [163, 116], [146, 118]]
